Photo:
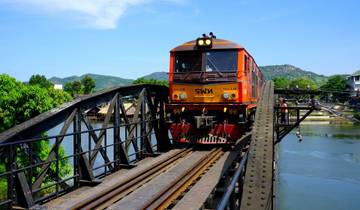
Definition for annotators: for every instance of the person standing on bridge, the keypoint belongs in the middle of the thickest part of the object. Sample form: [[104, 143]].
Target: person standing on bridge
[[284, 111]]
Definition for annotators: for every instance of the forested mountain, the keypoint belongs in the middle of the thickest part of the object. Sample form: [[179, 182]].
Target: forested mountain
[[102, 81], [290, 72], [272, 71]]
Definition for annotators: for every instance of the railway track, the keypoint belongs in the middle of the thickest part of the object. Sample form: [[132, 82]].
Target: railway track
[[107, 197], [165, 198]]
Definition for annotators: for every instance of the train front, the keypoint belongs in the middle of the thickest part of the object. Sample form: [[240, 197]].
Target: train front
[[206, 102]]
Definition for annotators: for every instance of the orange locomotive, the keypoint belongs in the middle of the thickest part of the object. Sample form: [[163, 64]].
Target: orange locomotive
[[214, 85]]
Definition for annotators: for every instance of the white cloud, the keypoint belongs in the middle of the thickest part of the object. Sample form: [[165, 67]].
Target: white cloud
[[103, 14]]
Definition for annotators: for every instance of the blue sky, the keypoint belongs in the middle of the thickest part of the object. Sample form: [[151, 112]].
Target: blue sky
[[131, 38]]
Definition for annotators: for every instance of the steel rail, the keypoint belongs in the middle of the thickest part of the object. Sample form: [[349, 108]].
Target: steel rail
[[175, 189], [107, 197]]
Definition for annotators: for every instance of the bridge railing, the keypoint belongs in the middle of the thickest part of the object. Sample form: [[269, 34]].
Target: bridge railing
[[82, 152], [56, 182]]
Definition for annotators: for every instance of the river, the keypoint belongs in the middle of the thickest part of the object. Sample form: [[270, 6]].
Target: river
[[322, 172]]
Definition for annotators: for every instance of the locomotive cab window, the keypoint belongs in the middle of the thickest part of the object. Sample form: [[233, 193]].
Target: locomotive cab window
[[224, 61], [187, 62], [209, 61]]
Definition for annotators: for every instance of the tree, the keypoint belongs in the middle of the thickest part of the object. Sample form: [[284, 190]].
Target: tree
[[58, 97], [281, 82], [73, 88], [303, 83], [40, 80], [88, 84], [76, 87], [20, 102], [142, 80], [337, 84]]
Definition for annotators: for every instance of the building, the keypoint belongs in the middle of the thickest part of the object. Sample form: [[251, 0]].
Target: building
[[354, 83], [58, 86]]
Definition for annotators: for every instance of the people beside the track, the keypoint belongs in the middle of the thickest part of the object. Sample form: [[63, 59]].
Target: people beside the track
[[284, 112]]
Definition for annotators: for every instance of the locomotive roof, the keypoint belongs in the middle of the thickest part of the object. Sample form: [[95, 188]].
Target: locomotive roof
[[217, 44]]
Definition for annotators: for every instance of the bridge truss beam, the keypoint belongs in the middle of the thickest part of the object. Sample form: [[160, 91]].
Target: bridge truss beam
[[36, 179]]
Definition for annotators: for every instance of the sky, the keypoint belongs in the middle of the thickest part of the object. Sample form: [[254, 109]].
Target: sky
[[132, 38]]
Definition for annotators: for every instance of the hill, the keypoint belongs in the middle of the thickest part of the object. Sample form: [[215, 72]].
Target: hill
[[161, 75], [270, 72], [290, 72], [102, 81]]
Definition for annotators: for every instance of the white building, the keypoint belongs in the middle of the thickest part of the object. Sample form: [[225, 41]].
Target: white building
[[58, 86], [354, 82]]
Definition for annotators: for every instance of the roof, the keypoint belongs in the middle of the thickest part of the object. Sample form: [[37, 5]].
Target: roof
[[356, 73], [217, 44], [128, 108]]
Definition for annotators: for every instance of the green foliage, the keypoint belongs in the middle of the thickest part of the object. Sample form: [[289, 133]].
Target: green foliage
[[281, 82], [76, 87], [303, 83], [335, 82], [40, 80], [88, 84], [85, 86], [42, 149], [3, 183], [68, 88], [142, 80], [73, 88], [357, 115], [58, 97], [300, 83], [20, 102]]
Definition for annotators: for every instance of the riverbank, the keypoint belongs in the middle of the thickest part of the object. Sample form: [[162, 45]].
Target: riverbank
[[329, 116]]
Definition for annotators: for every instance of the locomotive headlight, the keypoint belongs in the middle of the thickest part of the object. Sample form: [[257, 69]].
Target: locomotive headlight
[[226, 96], [182, 96], [204, 42], [200, 42], [208, 41]]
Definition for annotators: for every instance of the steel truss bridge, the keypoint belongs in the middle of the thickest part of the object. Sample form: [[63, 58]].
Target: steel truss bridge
[[132, 163]]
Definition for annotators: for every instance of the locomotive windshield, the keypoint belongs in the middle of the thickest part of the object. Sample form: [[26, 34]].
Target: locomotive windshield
[[209, 61], [188, 62], [221, 61]]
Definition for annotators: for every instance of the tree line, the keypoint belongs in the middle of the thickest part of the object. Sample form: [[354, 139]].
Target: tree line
[[336, 84], [84, 86], [142, 80]]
